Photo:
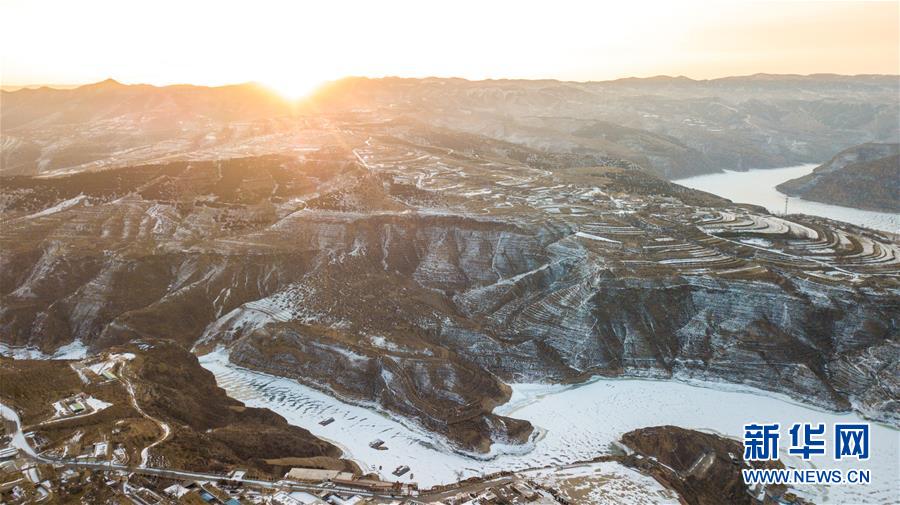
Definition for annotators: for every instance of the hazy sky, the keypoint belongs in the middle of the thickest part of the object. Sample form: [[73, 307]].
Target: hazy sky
[[294, 45]]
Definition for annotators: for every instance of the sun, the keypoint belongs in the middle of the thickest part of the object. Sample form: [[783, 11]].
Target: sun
[[292, 87]]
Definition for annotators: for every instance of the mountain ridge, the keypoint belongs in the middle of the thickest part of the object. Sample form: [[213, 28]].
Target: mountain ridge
[[866, 176], [763, 76], [419, 269], [671, 127]]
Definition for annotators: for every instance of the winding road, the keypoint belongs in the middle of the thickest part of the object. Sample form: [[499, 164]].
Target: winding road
[[21, 443], [164, 428]]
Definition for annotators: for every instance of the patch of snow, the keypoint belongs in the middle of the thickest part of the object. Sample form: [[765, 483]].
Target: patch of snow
[[759, 242], [61, 206], [21, 352], [383, 343], [606, 482], [572, 423], [110, 362], [596, 237], [96, 403], [73, 350]]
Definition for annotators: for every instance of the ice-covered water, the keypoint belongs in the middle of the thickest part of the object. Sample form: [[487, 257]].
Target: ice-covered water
[[574, 422], [758, 187]]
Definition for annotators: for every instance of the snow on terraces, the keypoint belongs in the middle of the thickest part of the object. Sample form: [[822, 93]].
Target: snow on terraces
[[694, 258], [771, 225], [725, 222], [860, 252], [437, 172], [819, 249], [382, 156], [612, 230], [807, 247], [69, 223], [780, 259], [867, 249], [730, 222], [597, 238], [483, 182], [707, 218], [51, 219], [563, 319], [688, 255], [499, 298], [131, 219], [124, 222], [875, 257], [518, 180]]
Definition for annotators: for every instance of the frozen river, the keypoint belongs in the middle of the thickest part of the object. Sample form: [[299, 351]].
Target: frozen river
[[758, 187], [574, 423]]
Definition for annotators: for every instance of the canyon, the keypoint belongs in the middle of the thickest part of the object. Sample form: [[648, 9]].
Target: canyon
[[387, 268], [385, 252]]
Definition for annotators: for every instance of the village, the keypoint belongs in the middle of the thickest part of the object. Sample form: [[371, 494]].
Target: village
[[26, 478], [37, 465]]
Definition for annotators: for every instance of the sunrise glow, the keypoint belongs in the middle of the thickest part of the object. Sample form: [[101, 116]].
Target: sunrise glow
[[292, 87], [293, 46]]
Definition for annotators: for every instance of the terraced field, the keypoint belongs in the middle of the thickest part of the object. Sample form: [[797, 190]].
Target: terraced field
[[420, 270]]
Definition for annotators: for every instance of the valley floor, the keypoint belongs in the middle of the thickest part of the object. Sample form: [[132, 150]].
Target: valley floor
[[575, 423]]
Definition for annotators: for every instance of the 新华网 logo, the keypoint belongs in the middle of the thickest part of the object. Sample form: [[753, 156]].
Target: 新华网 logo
[[762, 442]]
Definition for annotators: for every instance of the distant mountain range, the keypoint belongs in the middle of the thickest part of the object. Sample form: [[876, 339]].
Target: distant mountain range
[[866, 176], [671, 126]]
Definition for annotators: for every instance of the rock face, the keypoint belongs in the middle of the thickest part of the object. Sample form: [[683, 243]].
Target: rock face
[[866, 176], [416, 269]]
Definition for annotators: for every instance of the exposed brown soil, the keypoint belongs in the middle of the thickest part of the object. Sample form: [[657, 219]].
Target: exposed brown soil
[[211, 430], [704, 469], [31, 386]]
